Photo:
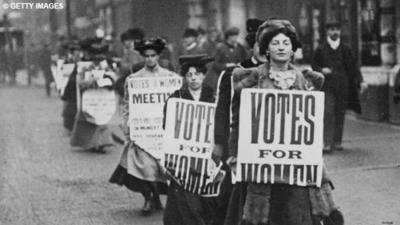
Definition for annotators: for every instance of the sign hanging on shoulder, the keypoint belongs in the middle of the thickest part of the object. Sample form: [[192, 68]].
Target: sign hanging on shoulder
[[280, 137], [188, 143], [147, 97]]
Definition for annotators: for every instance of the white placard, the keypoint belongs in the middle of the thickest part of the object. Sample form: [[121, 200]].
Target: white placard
[[280, 137], [147, 97], [188, 143], [99, 105]]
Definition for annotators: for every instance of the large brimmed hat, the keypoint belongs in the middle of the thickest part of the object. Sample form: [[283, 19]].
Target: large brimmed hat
[[96, 48], [132, 34], [195, 60], [271, 28], [198, 60], [157, 44]]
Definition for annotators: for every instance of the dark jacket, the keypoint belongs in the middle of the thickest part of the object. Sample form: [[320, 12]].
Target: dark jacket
[[223, 110], [321, 59], [299, 204], [70, 89], [224, 54], [207, 95]]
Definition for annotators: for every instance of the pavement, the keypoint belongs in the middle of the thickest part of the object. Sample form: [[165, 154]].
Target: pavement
[[44, 181], [366, 175]]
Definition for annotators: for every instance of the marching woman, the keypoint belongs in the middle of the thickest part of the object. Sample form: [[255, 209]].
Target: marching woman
[[144, 174], [182, 206], [275, 204], [87, 133], [69, 95]]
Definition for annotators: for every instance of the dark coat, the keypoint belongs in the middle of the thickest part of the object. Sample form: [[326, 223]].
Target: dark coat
[[70, 90], [287, 204], [353, 73], [223, 110], [183, 207], [224, 54]]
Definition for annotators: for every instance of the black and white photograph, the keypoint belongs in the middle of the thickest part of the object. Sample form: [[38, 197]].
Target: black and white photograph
[[199, 112]]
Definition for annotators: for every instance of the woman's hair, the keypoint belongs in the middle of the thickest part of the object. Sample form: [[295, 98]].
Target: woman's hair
[[199, 68], [269, 29]]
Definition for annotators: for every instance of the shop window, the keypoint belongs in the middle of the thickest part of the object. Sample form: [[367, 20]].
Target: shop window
[[370, 35]]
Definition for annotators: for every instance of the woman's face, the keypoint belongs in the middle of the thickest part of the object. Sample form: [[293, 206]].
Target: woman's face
[[150, 58], [280, 48], [194, 78]]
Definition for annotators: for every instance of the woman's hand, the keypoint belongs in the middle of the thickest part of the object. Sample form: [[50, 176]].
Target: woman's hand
[[363, 87], [217, 152], [231, 162], [326, 71]]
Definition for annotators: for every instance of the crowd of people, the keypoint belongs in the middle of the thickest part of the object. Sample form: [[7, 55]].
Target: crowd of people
[[213, 70]]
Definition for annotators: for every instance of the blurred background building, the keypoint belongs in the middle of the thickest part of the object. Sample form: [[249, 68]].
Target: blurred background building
[[370, 27]]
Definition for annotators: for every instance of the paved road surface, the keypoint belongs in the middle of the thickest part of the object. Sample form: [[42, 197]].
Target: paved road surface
[[45, 182]]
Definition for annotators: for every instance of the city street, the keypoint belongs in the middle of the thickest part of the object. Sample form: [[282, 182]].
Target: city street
[[43, 181]]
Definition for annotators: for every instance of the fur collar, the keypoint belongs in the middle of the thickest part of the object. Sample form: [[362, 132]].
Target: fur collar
[[258, 77]]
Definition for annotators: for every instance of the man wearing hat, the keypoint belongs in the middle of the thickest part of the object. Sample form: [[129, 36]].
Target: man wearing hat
[[144, 174], [228, 53], [190, 44], [343, 81]]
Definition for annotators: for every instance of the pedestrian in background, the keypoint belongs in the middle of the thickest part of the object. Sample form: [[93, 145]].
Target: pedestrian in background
[[45, 65], [190, 43], [343, 82], [183, 207], [144, 174], [228, 53]]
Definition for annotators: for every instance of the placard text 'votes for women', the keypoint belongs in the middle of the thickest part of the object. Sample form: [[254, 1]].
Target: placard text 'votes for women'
[[280, 137], [147, 97], [188, 144]]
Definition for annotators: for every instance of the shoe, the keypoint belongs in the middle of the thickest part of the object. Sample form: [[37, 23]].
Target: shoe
[[156, 203], [147, 208]]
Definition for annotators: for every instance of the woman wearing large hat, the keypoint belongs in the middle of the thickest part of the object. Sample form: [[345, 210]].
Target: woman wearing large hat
[[255, 203], [140, 172], [97, 75], [183, 207]]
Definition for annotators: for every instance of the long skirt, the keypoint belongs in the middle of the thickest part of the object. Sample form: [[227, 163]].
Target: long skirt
[[288, 205], [137, 170], [88, 135], [69, 114], [185, 208]]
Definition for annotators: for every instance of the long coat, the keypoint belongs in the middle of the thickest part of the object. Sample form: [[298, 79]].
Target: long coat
[[183, 207], [223, 110], [291, 205], [353, 73]]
